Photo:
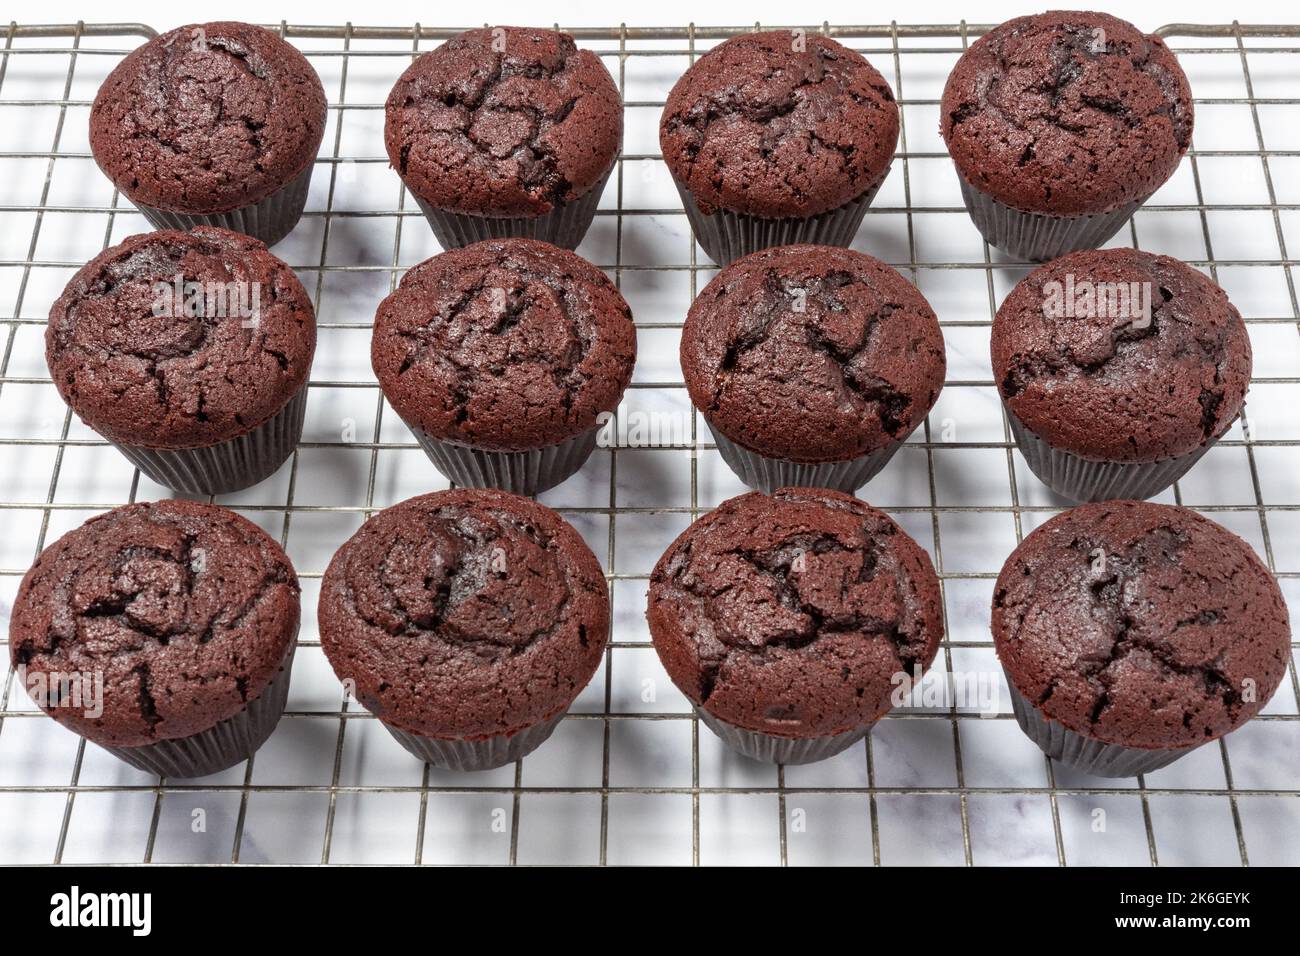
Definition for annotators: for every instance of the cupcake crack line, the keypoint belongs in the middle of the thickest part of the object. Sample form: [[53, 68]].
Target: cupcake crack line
[[466, 577], [506, 115], [774, 564], [62, 645], [568, 375], [1136, 588], [710, 108], [1066, 114], [805, 308]]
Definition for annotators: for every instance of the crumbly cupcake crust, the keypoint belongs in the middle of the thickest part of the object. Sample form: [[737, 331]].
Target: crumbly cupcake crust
[[157, 377], [1118, 384], [183, 612], [208, 118], [504, 121], [1140, 624], [779, 124], [794, 614], [508, 344], [812, 353], [469, 613], [1067, 112]]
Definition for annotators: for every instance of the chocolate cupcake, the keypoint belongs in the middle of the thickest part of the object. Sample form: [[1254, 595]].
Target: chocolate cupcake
[[162, 632], [501, 358], [505, 132], [811, 365], [189, 351], [467, 621], [1118, 369], [212, 124], [1061, 125], [777, 138], [794, 622], [1132, 633]]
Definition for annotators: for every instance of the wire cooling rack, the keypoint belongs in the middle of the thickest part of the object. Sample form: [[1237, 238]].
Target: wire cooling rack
[[630, 777]]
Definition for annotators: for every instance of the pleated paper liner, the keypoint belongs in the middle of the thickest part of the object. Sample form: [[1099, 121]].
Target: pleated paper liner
[[521, 472], [770, 748], [230, 465], [230, 742], [564, 226], [727, 236], [468, 754], [270, 220], [1084, 753], [1037, 236], [1084, 479], [768, 474]]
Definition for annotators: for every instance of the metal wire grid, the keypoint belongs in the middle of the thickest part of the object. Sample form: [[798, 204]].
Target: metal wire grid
[[886, 40]]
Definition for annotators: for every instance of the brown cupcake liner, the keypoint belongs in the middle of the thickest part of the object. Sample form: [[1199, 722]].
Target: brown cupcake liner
[[563, 226], [522, 472], [229, 465], [1084, 753], [768, 474], [1085, 479], [726, 235], [468, 754], [1037, 236], [270, 219], [230, 742], [770, 748]]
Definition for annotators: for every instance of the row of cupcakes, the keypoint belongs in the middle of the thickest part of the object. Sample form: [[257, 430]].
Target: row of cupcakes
[[468, 621], [811, 365], [1059, 125]]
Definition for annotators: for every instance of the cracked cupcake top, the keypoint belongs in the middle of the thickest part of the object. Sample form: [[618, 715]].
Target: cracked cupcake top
[[208, 118], [504, 121], [1140, 624], [812, 353], [143, 365], [1067, 112], [508, 344], [1121, 355], [792, 614], [779, 124], [466, 613], [179, 612]]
